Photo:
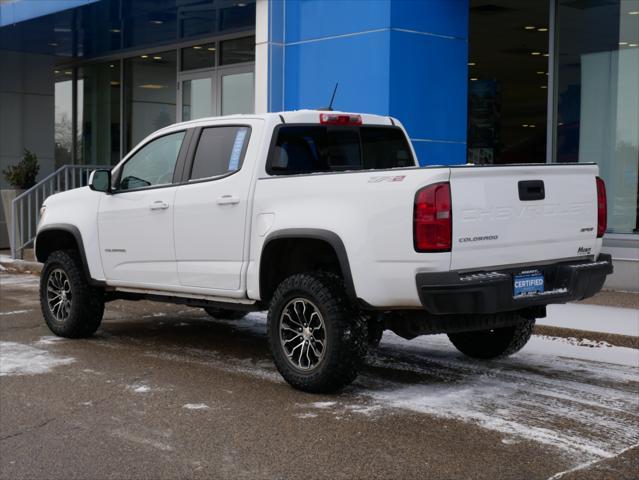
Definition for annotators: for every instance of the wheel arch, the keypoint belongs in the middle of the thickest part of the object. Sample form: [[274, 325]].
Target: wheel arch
[[62, 236], [301, 239]]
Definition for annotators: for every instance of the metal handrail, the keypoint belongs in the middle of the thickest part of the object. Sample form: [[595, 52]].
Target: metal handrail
[[25, 208]]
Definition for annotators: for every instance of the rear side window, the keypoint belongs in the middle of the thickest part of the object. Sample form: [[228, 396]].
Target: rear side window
[[311, 149], [220, 151]]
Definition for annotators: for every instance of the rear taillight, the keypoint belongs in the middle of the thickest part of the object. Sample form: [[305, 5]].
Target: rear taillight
[[602, 208], [432, 221], [340, 119]]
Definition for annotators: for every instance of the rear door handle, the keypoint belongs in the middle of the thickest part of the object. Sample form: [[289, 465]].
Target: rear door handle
[[159, 205], [228, 200]]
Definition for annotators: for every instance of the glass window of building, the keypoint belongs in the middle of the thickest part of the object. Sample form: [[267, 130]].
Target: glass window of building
[[597, 116], [63, 128], [98, 90], [198, 56], [508, 81], [150, 101], [237, 92], [237, 50]]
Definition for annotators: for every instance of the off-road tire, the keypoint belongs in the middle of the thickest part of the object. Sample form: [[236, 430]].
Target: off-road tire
[[375, 328], [345, 328], [223, 313], [87, 302], [495, 342]]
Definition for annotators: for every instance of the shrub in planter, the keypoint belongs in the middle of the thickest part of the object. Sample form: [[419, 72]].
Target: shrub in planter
[[23, 175]]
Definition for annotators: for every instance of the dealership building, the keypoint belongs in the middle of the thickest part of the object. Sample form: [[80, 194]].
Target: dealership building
[[473, 81]]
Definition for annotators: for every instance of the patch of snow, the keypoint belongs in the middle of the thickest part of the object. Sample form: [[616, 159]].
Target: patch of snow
[[86, 404], [196, 406], [578, 399], [14, 312], [19, 280], [322, 405], [139, 388], [594, 318], [19, 359], [49, 340], [306, 415]]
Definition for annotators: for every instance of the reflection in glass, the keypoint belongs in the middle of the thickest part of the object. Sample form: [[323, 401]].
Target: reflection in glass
[[98, 91], [507, 82], [237, 50], [196, 98], [63, 136], [598, 100], [237, 93], [198, 56], [150, 94]]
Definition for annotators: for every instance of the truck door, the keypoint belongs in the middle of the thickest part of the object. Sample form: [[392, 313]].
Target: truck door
[[211, 207], [135, 223]]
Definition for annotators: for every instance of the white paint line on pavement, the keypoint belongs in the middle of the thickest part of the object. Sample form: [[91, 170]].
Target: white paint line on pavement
[[594, 318], [19, 359]]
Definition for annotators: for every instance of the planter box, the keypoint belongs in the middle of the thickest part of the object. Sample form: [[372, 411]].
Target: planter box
[[8, 196]]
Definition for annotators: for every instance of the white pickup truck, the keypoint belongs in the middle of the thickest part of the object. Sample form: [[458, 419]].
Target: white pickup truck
[[325, 219]]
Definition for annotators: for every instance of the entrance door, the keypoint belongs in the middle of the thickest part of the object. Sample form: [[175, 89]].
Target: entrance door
[[196, 95], [236, 89]]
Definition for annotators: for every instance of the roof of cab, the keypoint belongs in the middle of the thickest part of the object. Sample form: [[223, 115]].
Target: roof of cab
[[293, 116]]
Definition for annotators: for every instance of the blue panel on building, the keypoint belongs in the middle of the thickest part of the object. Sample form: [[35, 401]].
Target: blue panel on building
[[311, 19], [438, 17], [402, 58], [428, 86], [313, 68], [438, 153]]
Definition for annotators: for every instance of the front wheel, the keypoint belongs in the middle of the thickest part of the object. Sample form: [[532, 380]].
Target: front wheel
[[71, 307], [317, 339], [495, 342]]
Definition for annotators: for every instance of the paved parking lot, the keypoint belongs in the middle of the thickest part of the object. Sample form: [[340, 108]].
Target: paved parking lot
[[166, 392]]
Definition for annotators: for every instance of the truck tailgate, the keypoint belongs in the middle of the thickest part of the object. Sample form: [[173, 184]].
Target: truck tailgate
[[509, 215]]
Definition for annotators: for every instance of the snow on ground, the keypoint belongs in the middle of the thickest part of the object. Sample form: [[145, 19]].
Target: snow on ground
[[580, 398], [594, 318], [18, 280], [13, 312], [19, 359], [195, 406]]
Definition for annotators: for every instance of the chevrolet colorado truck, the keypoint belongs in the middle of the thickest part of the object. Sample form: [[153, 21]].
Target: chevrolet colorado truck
[[325, 220]]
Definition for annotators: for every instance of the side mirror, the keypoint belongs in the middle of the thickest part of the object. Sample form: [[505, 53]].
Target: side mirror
[[100, 181]]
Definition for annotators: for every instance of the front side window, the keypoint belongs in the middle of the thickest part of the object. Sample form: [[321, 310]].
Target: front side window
[[153, 164], [220, 151], [311, 149]]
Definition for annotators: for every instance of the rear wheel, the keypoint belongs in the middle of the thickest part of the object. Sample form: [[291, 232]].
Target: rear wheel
[[495, 342], [317, 339], [224, 313], [71, 307]]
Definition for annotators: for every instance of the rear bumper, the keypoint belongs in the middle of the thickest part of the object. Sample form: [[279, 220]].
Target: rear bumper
[[492, 292]]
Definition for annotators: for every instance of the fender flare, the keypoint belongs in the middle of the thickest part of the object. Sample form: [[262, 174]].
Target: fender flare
[[75, 232], [329, 237]]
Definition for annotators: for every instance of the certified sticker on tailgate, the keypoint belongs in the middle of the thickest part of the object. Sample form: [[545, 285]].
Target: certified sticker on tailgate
[[528, 283]]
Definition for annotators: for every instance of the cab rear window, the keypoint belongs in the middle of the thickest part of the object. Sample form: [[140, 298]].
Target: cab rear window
[[315, 148]]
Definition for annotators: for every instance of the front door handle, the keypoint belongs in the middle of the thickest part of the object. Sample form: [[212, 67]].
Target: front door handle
[[159, 205], [228, 200]]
